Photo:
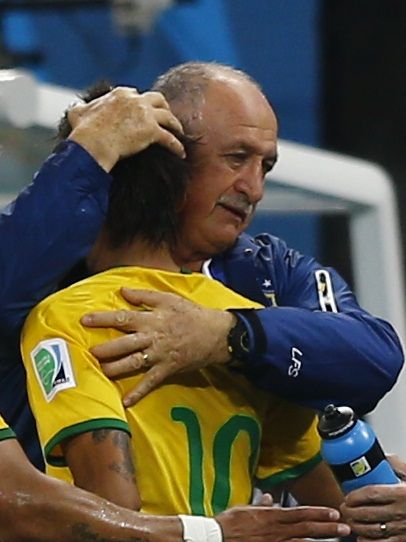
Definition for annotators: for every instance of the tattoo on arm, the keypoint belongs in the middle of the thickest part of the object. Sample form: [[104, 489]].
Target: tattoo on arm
[[120, 440]]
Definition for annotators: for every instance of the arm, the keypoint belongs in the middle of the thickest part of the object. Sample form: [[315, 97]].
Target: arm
[[41, 509], [101, 462], [307, 347], [317, 487], [50, 226], [290, 457], [92, 436], [53, 223]]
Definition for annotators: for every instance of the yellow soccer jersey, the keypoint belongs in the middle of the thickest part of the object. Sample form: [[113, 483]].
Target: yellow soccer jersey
[[199, 439], [5, 431]]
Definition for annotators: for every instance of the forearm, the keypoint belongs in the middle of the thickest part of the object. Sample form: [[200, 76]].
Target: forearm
[[58, 512], [318, 487], [37, 508], [309, 356], [47, 510], [315, 334]]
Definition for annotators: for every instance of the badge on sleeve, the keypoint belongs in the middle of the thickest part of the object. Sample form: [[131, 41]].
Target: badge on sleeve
[[53, 367]]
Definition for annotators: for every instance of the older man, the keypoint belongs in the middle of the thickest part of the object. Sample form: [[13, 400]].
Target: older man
[[306, 343]]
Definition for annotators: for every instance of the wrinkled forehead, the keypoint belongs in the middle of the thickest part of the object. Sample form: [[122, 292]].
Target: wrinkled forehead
[[231, 103]]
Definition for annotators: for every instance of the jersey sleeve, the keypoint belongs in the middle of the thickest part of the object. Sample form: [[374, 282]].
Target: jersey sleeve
[[68, 392], [290, 445], [317, 345]]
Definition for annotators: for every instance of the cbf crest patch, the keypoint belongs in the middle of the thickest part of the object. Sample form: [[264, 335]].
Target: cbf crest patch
[[53, 367]]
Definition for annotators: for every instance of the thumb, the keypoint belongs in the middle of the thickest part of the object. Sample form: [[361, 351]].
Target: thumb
[[261, 499], [266, 500]]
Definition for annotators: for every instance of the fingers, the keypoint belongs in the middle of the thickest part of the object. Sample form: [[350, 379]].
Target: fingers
[[308, 514], [123, 122], [314, 522], [376, 512], [165, 131], [374, 494], [126, 320], [365, 514], [151, 380], [147, 298], [132, 343], [172, 143], [371, 531], [144, 299], [75, 112], [125, 366], [155, 106], [122, 320], [319, 530], [262, 523], [378, 530], [166, 118]]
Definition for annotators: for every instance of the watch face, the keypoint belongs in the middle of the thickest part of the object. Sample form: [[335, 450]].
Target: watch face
[[238, 342]]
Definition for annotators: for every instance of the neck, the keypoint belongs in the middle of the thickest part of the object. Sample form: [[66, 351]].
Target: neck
[[186, 260], [138, 253], [186, 254]]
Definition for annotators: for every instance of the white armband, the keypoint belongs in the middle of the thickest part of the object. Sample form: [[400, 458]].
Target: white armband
[[200, 529]]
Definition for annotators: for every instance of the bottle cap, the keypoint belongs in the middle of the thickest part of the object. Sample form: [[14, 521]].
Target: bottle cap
[[336, 421]]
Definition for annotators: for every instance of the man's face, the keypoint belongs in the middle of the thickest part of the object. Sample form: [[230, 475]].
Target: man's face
[[236, 149]]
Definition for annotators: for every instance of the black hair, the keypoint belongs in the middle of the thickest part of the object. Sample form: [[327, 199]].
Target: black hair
[[147, 191]]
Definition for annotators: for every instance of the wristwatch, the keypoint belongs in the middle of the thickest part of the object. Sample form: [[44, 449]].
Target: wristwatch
[[238, 342]]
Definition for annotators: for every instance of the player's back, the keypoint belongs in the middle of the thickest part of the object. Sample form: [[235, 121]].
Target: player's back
[[196, 439]]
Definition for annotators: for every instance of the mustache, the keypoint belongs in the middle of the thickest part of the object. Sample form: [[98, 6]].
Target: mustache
[[238, 203]]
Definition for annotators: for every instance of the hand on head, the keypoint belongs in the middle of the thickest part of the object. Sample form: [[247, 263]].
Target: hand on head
[[122, 123]]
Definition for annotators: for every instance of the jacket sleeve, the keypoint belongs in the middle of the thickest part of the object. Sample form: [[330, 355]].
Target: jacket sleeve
[[318, 346], [48, 228]]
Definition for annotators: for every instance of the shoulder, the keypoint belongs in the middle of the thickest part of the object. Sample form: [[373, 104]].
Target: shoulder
[[83, 296], [263, 242], [268, 249]]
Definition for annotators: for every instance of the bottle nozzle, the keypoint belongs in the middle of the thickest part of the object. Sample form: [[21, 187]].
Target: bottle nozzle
[[335, 421], [330, 411]]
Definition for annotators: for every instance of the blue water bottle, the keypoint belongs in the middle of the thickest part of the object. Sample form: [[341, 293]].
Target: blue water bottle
[[352, 450]]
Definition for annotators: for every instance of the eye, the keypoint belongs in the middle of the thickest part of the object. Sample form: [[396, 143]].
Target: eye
[[236, 158], [267, 166]]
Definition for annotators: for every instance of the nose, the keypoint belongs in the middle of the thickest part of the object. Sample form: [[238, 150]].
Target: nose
[[250, 182]]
